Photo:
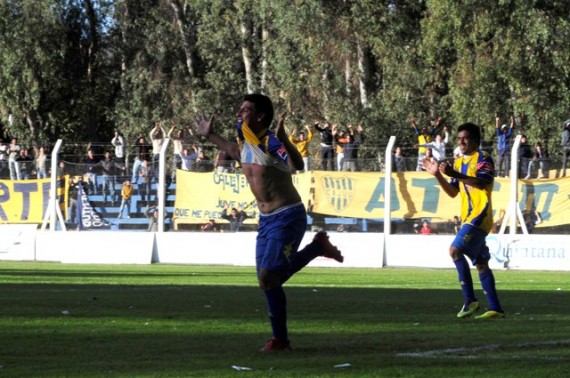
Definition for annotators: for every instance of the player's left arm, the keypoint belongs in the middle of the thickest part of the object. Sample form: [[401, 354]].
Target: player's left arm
[[295, 159]]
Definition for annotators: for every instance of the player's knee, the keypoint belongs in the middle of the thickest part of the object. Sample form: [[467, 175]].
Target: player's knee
[[269, 280], [455, 253]]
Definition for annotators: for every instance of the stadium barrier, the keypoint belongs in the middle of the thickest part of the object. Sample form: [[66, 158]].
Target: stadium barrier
[[361, 250]]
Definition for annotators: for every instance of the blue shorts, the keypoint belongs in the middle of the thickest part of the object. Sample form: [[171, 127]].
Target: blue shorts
[[470, 240], [279, 236]]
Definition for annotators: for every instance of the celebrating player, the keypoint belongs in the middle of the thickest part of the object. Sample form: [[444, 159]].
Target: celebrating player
[[267, 160], [471, 176]]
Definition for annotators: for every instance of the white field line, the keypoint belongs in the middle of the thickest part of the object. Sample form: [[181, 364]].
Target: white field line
[[468, 351]]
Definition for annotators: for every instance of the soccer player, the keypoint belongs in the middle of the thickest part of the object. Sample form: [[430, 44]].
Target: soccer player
[[472, 177], [267, 159]]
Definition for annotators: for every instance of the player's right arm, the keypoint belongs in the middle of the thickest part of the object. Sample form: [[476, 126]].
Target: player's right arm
[[205, 127], [437, 169]]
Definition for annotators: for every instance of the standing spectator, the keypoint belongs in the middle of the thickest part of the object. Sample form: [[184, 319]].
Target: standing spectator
[[25, 162], [13, 157], [504, 134], [41, 162], [108, 168], [120, 146], [355, 140], [177, 147], [426, 228], [302, 144], [424, 136], [565, 143], [91, 165], [152, 214], [126, 195], [327, 152], [157, 136], [399, 160], [203, 162], [539, 157], [74, 184], [524, 155], [456, 224], [438, 145], [142, 150], [188, 160], [475, 188], [235, 217], [3, 159], [223, 162], [145, 173], [340, 141]]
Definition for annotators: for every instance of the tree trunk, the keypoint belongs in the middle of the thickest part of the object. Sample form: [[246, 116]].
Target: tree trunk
[[248, 53], [364, 69]]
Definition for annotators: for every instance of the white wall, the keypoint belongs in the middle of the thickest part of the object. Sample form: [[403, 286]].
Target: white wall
[[361, 250]]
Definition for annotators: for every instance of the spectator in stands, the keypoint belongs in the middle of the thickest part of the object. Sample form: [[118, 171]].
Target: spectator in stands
[[223, 163], [74, 184], [3, 159], [354, 141], [235, 217], [302, 144], [145, 175], [120, 147], [524, 155], [152, 214], [429, 157], [426, 228], [340, 141], [203, 162], [157, 135], [142, 152], [424, 136], [399, 160], [108, 167], [177, 148], [438, 145], [91, 162], [540, 158], [41, 163], [531, 221], [456, 224], [126, 195], [211, 226], [504, 134], [327, 151], [565, 143], [13, 157], [25, 162], [188, 160]]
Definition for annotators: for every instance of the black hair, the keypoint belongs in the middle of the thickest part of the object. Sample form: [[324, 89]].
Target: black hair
[[263, 105], [473, 130]]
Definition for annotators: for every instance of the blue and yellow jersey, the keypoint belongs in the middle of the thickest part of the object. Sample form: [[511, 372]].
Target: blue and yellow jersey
[[476, 206], [262, 149]]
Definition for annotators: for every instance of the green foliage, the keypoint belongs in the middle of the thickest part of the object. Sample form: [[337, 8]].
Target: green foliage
[[77, 69]]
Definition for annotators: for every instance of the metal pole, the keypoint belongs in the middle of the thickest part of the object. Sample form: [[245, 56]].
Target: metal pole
[[160, 191], [388, 186]]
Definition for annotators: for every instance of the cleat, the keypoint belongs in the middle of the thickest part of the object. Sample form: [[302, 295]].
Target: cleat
[[468, 310], [327, 248], [274, 345], [491, 314]]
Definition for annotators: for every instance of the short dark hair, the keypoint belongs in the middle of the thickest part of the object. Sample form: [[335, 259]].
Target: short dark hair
[[263, 105], [473, 130]]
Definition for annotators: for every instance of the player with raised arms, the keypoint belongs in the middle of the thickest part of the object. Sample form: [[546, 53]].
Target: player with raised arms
[[267, 159], [472, 177]]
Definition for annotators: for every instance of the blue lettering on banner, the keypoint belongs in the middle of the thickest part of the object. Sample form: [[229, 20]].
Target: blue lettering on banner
[[4, 197], [25, 189], [431, 193], [183, 213], [532, 195], [196, 213], [377, 202], [236, 182]]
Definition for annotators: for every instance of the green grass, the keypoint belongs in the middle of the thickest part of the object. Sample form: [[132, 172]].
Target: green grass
[[182, 321]]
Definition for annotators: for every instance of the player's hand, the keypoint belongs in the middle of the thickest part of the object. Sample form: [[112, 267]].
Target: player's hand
[[430, 166], [204, 126]]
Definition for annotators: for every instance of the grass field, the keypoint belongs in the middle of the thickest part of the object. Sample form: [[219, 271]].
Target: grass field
[[181, 321]]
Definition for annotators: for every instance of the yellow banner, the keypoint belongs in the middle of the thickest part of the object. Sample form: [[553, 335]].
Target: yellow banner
[[203, 196], [418, 195], [25, 201]]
